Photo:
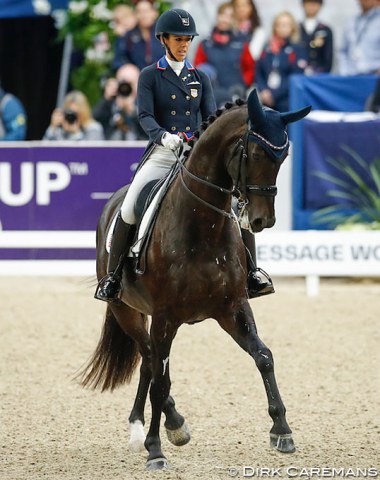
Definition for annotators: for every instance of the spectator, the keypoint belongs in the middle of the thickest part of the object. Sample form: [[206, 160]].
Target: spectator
[[282, 56], [226, 49], [124, 20], [248, 25], [360, 51], [74, 121], [117, 111], [317, 39], [140, 46], [12, 118]]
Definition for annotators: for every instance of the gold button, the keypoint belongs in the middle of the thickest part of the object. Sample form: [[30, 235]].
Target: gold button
[[173, 112], [173, 129], [187, 113], [187, 129], [174, 97]]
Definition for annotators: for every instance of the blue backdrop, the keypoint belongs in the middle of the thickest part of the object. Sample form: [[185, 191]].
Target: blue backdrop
[[322, 92], [25, 8]]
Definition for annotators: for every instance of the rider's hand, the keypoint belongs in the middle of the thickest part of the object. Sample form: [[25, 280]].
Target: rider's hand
[[171, 141]]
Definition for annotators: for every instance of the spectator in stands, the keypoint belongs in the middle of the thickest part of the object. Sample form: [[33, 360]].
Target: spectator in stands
[[228, 54], [124, 20], [139, 45], [117, 111], [317, 39], [74, 121], [282, 56], [360, 51], [248, 25], [12, 118]]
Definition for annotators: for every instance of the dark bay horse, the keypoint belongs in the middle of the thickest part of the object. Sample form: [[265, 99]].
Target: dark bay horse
[[195, 269]]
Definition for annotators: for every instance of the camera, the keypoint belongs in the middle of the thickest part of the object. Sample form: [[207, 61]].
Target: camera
[[124, 89], [70, 116]]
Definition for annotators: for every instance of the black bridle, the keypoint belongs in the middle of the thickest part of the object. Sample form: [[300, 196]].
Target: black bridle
[[240, 188]]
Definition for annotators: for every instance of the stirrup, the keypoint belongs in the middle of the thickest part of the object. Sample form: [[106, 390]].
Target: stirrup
[[108, 289], [257, 286]]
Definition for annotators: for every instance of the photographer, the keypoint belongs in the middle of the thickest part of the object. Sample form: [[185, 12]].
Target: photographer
[[74, 121], [117, 110]]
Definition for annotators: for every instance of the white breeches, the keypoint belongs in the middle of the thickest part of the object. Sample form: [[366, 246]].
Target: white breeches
[[156, 166]]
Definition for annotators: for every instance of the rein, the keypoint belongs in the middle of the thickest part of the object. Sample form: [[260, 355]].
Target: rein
[[182, 169], [241, 189]]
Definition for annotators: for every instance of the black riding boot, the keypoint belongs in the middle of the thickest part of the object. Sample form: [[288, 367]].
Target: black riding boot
[[109, 287], [258, 282]]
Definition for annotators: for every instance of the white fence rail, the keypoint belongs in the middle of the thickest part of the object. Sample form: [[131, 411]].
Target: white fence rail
[[43, 240], [310, 254]]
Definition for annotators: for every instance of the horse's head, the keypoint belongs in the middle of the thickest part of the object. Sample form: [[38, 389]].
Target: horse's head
[[263, 148]]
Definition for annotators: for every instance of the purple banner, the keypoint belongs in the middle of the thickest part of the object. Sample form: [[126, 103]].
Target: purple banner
[[46, 187], [61, 188]]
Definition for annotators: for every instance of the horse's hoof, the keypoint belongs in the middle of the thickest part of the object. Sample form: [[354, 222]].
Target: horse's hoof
[[180, 436], [282, 443], [157, 464], [137, 437]]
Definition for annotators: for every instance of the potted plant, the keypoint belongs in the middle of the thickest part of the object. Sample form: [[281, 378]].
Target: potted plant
[[357, 190]]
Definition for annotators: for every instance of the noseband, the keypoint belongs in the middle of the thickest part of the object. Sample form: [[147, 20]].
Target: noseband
[[241, 186], [240, 189]]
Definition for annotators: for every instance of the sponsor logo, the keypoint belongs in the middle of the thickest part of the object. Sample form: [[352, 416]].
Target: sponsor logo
[[20, 184]]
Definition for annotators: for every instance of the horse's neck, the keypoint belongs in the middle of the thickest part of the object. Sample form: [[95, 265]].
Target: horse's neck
[[198, 195], [208, 162]]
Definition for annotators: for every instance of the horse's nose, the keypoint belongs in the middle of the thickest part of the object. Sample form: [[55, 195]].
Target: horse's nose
[[259, 223], [270, 222]]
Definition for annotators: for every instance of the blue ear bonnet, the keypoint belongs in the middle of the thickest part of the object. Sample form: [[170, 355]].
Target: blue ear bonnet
[[271, 134], [268, 128]]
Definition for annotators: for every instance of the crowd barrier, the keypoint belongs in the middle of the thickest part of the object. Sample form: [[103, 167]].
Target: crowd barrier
[[51, 198], [314, 142], [309, 254]]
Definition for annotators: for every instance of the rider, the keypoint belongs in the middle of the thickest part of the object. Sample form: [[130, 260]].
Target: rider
[[172, 97]]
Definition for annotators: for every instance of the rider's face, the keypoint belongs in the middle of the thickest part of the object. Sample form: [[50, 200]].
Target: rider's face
[[178, 45]]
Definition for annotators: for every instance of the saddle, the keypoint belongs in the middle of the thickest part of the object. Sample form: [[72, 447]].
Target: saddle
[[147, 207]]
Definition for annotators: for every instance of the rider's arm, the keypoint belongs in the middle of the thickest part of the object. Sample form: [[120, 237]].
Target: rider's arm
[[145, 105]]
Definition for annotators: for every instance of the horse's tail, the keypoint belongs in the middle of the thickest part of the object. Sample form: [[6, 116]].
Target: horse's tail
[[114, 360]]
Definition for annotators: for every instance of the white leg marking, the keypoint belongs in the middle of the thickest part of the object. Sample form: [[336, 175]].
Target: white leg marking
[[165, 362], [137, 437]]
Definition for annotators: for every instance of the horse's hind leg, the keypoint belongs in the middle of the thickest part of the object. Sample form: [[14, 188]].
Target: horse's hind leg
[[136, 418], [162, 334], [134, 324], [176, 428], [242, 328]]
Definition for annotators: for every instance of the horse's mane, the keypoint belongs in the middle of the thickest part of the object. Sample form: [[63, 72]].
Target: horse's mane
[[211, 119]]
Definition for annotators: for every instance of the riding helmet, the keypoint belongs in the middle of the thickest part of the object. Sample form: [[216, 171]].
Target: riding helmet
[[176, 22]]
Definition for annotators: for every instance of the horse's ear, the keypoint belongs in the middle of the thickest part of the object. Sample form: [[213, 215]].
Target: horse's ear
[[289, 117], [255, 110]]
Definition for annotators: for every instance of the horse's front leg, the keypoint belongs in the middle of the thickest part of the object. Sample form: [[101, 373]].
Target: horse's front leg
[[162, 334], [241, 326]]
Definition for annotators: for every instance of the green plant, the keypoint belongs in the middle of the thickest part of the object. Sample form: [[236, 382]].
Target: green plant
[[360, 200], [90, 24]]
